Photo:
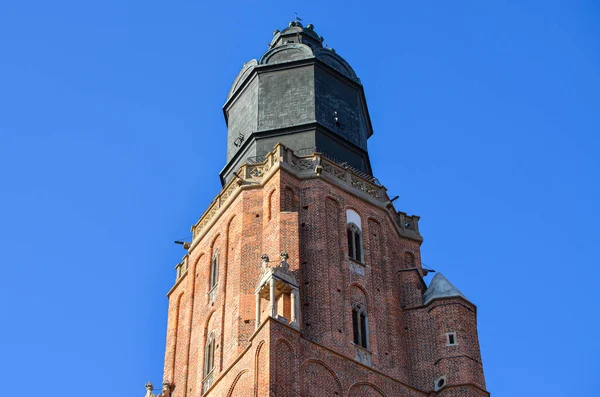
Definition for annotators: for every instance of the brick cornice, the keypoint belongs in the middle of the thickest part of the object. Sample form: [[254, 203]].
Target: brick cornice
[[451, 387], [460, 356]]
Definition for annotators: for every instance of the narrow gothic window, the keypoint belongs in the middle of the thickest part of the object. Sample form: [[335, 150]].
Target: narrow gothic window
[[354, 242], [359, 325], [209, 354], [214, 270]]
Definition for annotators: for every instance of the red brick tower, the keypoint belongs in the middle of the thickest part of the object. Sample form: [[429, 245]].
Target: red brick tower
[[302, 279]]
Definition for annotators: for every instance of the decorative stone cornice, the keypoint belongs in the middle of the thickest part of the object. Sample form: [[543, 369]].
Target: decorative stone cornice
[[304, 164]]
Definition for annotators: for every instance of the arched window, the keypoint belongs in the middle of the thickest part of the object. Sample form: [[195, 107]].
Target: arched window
[[209, 354], [354, 242], [214, 270], [360, 325]]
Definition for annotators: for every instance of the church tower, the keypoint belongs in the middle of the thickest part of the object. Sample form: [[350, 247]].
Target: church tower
[[302, 279]]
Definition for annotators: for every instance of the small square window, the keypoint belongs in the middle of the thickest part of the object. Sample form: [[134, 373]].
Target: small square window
[[451, 339]]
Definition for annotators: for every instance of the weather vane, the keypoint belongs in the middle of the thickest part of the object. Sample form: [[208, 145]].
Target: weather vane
[[298, 19]]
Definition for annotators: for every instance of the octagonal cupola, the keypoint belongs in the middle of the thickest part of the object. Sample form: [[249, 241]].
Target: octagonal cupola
[[301, 94]]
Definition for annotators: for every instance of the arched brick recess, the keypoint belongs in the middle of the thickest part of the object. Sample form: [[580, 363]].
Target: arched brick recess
[[318, 380], [209, 324], [197, 263], [358, 294], [176, 334], [365, 389], [285, 369], [201, 283], [228, 316], [380, 277], [182, 338], [376, 254], [270, 206], [191, 349], [290, 200], [261, 385], [241, 388], [333, 211], [409, 260]]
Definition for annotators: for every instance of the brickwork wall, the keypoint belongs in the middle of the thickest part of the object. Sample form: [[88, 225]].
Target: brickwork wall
[[432, 358], [462, 391], [323, 372], [326, 276], [307, 218], [460, 363]]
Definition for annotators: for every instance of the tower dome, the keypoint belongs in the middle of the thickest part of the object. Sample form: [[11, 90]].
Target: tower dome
[[301, 94]]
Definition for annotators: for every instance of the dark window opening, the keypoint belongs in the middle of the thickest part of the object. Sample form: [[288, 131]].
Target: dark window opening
[[451, 338], [354, 242], [359, 326], [209, 355], [214, 270]]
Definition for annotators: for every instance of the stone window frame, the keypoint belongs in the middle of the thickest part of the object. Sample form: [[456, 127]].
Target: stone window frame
[[360, 326], [448, 335], [209, 355]]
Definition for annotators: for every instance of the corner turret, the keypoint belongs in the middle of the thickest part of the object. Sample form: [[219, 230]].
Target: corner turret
[[457, 354]]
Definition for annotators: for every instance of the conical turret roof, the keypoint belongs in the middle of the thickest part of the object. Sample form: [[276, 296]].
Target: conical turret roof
[[440, 287]]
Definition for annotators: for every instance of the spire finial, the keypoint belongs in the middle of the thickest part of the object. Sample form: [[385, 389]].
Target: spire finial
[[265, 260], [284, 257], [149, 387], [166, 389]]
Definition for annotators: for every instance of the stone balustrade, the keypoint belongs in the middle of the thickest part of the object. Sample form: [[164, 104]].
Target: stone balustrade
[[308, 163]]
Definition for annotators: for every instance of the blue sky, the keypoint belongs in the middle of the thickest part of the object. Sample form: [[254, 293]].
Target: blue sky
[[111, 139]]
